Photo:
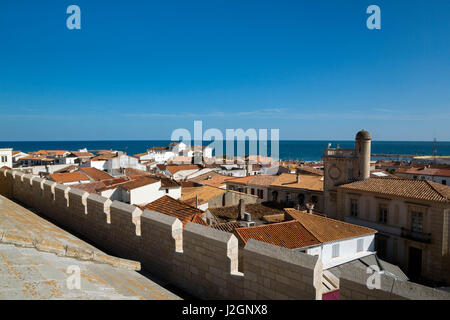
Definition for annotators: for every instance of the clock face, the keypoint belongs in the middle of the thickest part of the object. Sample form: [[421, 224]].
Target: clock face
[[334, 172]]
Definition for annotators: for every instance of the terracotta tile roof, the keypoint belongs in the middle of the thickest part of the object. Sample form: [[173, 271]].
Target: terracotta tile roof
[[256, 210], [274, 218], [187, 184], [138, 155], [161, 167], [95, 174], [82, 154], [175, 208], [426, 171], [167, 182], [241, 180], [51, 152], [137, 183], [92, 187], [204, 194], [309, 170], [408, 188], [35, 157], [204, 176], [104, 157], [308, 182], [259, 159], [135, 172], [181, 159], [198, 219], [99, 152], [113, 183], [68, 177], [290, 234], [257, 180], [326, 229], [175, 168], [216, 181], [159, 148], [227, 226], [70, 168]]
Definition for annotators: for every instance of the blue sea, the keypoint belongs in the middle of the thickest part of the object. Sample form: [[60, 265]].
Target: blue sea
[[288, 149]]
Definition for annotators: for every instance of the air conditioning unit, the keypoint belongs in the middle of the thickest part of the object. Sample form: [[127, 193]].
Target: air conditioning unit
[[248, 223]]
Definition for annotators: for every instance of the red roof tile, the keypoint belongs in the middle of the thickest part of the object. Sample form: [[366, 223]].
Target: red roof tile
[[290, 234], [175, 208], [95, 174]]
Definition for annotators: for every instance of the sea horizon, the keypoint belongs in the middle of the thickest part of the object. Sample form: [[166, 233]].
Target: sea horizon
[[303, 150]]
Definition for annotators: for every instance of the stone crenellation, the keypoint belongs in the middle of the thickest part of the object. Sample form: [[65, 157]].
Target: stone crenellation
[[201, 260]]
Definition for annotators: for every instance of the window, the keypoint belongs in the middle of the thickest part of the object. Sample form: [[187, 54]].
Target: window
[[167, 190], [288, 197], [261, 194], [383, 210], [314, 199], [275, 195], [444, 182], [360, 245], [4, 159], [335, 249], [416, 221], [252, 191], [354, 208]]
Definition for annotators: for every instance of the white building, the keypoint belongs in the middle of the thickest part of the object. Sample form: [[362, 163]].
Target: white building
[[441, 176], [18, 155], [144, 190], [180, 172], [334, 242], [6, 157]]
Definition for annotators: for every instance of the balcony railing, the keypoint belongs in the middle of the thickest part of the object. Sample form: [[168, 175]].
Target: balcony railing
[[340, 153], [416, 235]]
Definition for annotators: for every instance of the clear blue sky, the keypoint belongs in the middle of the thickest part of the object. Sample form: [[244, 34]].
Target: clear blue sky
[[139, 69]]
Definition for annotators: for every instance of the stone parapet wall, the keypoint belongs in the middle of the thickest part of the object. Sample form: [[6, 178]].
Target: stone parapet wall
[[199, 259]]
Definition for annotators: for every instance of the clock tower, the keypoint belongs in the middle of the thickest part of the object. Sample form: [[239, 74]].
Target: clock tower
[[343, 166]]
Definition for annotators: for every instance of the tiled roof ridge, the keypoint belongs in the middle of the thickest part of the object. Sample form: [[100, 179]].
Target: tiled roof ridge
[[181, 202], [427, 182], [43, 245], [328, 220], [84, 173], [239, 230], [432, 185]]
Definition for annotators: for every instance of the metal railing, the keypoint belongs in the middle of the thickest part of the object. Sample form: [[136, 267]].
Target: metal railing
[[416, 235], [341, 153]]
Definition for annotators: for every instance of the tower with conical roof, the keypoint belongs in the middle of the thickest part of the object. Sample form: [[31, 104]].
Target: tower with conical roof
[[362, 150], [344, 166]]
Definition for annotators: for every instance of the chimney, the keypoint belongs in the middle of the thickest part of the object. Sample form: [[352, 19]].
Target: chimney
[[298, 178], [241, 208]]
